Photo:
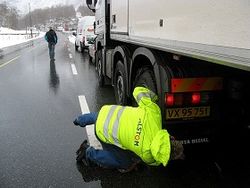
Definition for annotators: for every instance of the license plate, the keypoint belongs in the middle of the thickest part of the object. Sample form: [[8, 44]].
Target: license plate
[[187, 113]]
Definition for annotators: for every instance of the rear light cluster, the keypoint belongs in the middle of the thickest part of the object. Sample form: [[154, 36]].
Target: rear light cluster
[[192, 98], [90, 29]]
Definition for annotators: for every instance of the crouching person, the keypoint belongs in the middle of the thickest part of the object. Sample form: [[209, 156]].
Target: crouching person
[[129, 135]]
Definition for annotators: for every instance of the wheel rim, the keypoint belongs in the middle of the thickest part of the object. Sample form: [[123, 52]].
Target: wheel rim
[[120, 88]]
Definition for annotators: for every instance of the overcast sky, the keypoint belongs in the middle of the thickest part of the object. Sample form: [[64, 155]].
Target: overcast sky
[[23, 5]]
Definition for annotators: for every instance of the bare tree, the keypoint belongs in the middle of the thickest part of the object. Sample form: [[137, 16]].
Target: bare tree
[[8, 16], [43, 16]]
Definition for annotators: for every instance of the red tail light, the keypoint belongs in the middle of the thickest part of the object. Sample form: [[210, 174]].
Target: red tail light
[[196, 98], [90, 29], [186, 99], [169, 99]]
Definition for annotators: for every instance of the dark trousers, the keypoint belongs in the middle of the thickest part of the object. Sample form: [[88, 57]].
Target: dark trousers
[[51, 51], [110, 156]]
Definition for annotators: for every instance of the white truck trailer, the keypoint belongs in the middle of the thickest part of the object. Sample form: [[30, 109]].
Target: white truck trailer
[[194, 54]]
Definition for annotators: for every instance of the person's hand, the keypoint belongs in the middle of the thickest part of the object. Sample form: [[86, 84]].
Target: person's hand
[[76, 122], [85, 119]]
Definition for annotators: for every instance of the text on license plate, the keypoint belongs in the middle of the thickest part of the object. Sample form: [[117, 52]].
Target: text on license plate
[[190, 112]]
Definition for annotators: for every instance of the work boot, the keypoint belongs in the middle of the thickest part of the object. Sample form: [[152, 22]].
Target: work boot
[[81, 152]]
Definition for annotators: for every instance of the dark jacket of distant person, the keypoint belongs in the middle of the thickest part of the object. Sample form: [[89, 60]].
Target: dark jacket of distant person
[[51, 36]]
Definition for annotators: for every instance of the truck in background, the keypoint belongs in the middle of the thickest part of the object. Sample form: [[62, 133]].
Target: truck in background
[[84, 33], [194, 55]]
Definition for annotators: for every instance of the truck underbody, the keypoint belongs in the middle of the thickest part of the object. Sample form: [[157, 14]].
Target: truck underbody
[[228, 90]]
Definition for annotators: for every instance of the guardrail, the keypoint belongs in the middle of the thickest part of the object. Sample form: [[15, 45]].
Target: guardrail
[[18, 36], [20, 33], [10, 49]]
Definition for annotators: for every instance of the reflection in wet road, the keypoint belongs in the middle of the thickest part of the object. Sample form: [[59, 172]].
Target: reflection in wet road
[[54, 78], [39, 100]]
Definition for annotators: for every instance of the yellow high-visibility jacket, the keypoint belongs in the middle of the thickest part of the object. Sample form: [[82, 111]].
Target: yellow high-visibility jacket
[[138, 129]]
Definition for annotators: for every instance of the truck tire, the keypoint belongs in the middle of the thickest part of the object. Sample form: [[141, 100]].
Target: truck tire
[[99, 68], [120, 86], [144, 77]]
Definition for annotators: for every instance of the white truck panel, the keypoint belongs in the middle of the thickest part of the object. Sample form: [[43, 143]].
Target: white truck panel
[[119, 16], [212, 22], [211, 30], [100, 17]]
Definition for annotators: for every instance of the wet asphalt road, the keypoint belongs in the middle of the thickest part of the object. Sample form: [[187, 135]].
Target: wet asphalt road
[[39, 101]]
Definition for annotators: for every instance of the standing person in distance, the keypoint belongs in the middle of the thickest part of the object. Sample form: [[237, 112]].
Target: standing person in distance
[[51, 38]]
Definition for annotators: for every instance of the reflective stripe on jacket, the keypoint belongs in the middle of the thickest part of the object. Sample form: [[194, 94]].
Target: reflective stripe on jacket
[[138, 129]]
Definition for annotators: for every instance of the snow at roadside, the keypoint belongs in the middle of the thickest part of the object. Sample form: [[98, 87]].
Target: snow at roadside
[[7, 37]]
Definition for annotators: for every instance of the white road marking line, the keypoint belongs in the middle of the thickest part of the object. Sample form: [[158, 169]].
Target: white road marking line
[[9, 61], [90, 128], [70, 56], [73, 67]]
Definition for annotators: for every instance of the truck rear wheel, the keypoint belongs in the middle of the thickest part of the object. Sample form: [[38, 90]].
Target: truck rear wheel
[[99, 68], [144, 77], [120, 84]]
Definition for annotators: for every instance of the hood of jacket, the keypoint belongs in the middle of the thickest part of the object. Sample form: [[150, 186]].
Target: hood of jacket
[[160, 147]]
